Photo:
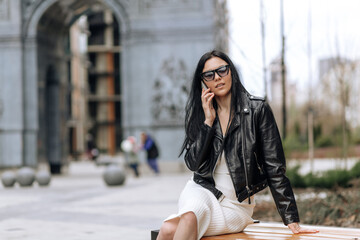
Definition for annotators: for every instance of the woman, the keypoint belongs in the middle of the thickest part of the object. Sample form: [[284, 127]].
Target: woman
[[233, 146]]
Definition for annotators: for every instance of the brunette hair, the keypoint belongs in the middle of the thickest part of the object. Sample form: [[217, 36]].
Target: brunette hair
[[195, 117]]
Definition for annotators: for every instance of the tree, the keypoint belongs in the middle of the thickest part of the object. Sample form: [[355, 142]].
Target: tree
[[338, 76]]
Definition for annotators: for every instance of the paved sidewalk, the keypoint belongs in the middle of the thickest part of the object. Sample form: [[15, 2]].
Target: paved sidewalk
[[79, 205]]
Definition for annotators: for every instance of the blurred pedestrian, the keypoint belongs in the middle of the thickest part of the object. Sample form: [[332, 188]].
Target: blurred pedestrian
[[149, 145], [92, 151], [131, 149]]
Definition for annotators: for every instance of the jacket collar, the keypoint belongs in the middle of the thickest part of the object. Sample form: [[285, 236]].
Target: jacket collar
[[242, 104]]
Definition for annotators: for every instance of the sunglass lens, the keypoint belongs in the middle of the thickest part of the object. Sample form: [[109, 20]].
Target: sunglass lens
[[223, 71], [208, 76]]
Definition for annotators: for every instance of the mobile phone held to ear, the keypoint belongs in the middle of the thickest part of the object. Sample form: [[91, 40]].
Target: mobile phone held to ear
[[203, 85]]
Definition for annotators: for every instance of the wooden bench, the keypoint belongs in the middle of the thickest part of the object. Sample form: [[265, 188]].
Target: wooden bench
[[277, 231]]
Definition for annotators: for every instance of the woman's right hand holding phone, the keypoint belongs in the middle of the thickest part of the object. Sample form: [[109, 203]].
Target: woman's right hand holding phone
[[209, 111]]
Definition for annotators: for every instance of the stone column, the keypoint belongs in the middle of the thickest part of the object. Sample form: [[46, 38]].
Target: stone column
[[11, 88], [30, 102]]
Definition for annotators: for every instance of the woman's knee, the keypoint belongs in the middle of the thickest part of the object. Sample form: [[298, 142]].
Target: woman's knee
[[189, 218], [167, 231]]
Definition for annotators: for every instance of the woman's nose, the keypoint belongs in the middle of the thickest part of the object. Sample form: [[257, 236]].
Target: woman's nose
[[217, 76]]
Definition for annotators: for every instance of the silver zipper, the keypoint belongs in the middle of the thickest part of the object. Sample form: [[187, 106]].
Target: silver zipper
[[246, 174], [258, 165]]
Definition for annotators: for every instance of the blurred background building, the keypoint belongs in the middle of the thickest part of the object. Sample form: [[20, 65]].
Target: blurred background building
[[74, 70]]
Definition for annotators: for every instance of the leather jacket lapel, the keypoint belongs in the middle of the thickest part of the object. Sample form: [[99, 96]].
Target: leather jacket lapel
[[218, 132]]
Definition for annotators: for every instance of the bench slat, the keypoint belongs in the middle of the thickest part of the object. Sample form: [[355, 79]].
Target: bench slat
[[276, 231]]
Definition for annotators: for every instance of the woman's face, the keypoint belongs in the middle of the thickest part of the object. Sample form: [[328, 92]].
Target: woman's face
[[220, 85]]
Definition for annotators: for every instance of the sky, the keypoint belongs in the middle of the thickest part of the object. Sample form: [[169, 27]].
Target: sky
[[333, 31]]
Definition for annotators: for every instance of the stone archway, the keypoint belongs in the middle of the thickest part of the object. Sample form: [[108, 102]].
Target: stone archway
[[152, 33], [52, 33]]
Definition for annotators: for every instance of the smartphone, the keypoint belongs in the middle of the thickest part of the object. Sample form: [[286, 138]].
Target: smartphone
[[203, 85]]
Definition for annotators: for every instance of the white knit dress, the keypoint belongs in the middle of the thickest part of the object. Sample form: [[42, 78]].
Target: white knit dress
[[214, 217]]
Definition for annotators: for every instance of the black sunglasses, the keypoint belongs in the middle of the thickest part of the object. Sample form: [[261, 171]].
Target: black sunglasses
[[210, 75]]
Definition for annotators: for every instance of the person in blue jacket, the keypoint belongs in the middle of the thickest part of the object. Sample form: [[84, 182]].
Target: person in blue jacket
[[152, 151]]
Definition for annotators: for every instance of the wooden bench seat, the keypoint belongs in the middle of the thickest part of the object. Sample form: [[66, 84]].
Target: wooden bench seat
[[277, 231]]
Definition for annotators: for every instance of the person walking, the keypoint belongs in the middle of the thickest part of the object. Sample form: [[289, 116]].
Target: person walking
[[131, 148], [232, 145], [152, 151], [92, 151]]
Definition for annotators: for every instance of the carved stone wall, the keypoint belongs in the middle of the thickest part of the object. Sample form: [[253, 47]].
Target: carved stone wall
[[4, 10], [27, 9], [165, 7], [170, 91], [161, 42], [221, 26]]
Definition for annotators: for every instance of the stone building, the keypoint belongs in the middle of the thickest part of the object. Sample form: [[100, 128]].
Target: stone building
[[155, 45], [339, 80]]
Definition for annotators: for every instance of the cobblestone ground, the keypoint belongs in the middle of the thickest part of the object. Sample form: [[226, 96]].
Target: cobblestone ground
[[79, 205]]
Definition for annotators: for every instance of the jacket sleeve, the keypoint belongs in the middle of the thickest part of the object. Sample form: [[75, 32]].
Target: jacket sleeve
[[275, 166], [198, 151], [148, 144]]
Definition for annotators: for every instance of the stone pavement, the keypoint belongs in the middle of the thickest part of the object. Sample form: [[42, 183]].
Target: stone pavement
[[79, 205]]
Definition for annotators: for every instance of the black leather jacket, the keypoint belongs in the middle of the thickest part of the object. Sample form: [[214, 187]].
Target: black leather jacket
[[253, 153]]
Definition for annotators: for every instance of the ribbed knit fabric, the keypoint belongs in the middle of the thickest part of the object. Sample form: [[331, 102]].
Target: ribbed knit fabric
[[214, 217], [223, 180]]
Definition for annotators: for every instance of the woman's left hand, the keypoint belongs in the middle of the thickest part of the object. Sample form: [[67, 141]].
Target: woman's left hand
[[295, 228]]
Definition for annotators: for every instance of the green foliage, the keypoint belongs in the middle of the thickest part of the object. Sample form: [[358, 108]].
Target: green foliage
[[294, 142], [355, 170], [356, 141], [317, 131], [297, 128], [328, 179], [332, 178], [295, 178], [337, 135], [324, 141], [356, 137]]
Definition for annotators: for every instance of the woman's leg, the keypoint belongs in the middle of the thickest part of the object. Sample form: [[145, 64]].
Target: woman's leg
[[187, 227], [168, 229], [153, 165], [183, 228]]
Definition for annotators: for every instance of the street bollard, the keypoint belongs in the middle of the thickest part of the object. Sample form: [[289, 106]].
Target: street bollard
[[114, 175], [8, 179], [43, 177], [25, 176]]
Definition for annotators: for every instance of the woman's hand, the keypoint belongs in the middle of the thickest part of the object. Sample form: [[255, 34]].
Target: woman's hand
[[295, 228], [209, 111]]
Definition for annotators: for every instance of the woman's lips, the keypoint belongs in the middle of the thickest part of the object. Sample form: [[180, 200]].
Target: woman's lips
[[220, 85]]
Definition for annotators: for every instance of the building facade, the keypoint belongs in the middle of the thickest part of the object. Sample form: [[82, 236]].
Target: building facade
[[154, 44]]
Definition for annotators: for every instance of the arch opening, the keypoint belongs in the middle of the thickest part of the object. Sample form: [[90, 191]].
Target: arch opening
[[79, 84]]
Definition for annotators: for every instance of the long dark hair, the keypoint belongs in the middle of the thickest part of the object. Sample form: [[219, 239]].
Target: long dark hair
[[195, 117]]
